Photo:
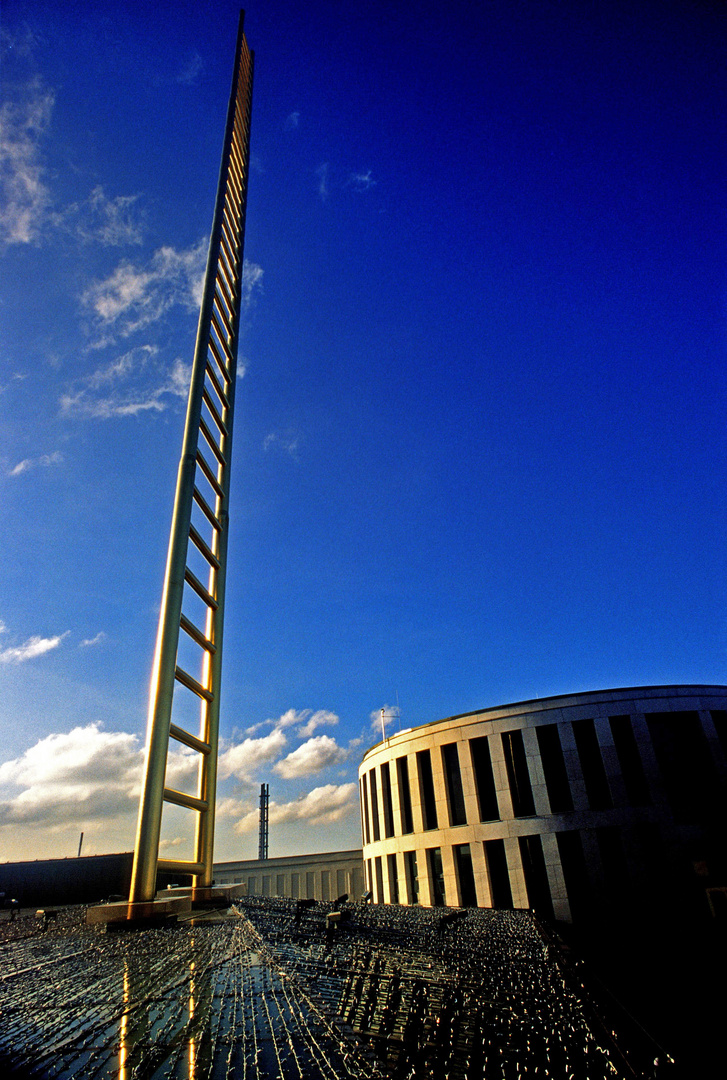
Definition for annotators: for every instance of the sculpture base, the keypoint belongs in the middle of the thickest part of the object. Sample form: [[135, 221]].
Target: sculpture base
[[207, 895], [130, 915]]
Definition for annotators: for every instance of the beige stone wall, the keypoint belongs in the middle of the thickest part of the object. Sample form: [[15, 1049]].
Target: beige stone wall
[[323, 876], [525, 718]]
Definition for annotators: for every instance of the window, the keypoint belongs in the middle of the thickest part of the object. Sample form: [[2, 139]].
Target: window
[[266, 885], [412, 876], [536, 875], [496, 860], [517, 774], [365, 805], [436, 876], [453, 778], [484, 779], [575, 873], [426, 788], [594, 774], [386, 795], [685, 764], [295, 885], [280, 884], [402, 774], [374, 806], [465, 875], [325, 885], [378, 869], [310, 884], [632, 769], [556, 777], [393, 880]]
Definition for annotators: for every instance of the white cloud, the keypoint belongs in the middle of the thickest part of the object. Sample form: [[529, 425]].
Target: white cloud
[[323, 805], [317, 719], [86, 774], [96, 640], [391, 713], [311, 757], [245, 758], [33, 463], [286, 442], [252, 283], [191, 69], [33, 647], [24, 195], [292, 121]]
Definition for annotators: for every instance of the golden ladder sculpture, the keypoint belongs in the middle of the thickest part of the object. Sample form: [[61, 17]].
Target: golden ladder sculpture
[[200, 524]]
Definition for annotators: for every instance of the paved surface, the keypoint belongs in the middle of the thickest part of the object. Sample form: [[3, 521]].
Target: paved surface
[[264, 991]]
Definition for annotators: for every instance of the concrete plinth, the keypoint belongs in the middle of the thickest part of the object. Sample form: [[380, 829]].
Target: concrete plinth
[[208, 896], [149, 912]]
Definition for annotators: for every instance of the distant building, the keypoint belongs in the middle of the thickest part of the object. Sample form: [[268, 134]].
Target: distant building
[[323, 876], [609, 803]]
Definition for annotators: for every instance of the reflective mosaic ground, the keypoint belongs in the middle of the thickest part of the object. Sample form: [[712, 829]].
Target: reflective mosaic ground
[[263, 991]]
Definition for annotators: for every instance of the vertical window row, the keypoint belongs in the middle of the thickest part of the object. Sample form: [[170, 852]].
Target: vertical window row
[[402, 776], [374, 806], [426, 789], [629, 759], [554, 770], [386, 796], [518, 776], [594, 773], [453, 779]]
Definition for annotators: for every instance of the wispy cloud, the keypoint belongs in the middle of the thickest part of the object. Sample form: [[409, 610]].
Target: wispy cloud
[[361, 181], [323, 806], [96, 640], [190, 69], [292, 121], [311, 757], [43, 461], [285, 442], [322, 175], [35, 646], [116, 222], [131, 384], [24, 194], [316, 720]]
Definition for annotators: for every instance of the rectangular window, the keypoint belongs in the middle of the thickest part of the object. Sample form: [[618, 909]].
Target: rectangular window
[[379, 872], [252, 886], [325, 885], [575, 874], [374, 806], [369, 877], [295, 886], [719, 719], [484, 779], [393, 879], [412, 876], [365, 805], [426, 789], [632, 769], [386, 796], [685, 764], [496, 860], [310, 885], [556, 777], [518, 776], [341, 883], [465, 875], [402, 775], [280, 884], [436, 876], [594, 774], [266, 885], [453, 778], [536, 875]]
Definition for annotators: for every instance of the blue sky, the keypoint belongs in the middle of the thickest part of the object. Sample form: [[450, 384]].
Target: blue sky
[[480, 437]]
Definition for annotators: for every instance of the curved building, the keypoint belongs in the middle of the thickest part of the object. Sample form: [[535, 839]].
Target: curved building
[[578, 806]]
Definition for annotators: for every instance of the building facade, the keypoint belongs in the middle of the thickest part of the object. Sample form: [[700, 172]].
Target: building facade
[[578, 806], [323, 876]]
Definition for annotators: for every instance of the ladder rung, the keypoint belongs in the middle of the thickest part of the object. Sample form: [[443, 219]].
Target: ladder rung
[[196, 687], [206, 509], [214, 349], [210, 476], [218, 328], [213, 444], [195, 633], [179, 866], [204, 548], [213, 409], [218, 386], [180, 798], [225, 314], [199, 588], [191, 741]]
